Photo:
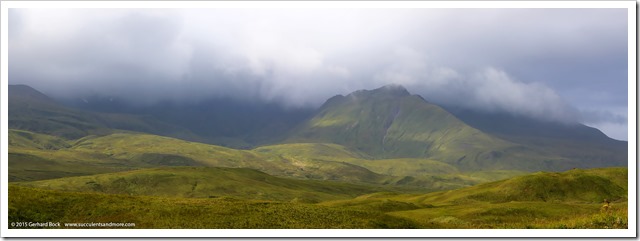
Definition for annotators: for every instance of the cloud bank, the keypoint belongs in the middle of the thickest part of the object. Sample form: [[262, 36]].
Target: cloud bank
[[545, 63]]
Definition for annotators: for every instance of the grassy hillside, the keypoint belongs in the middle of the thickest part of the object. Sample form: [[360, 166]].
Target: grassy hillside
[[428, 174], [390, 123], [127, 151], [584, 186], [26, 139], [407, 166], [520, 215], [543, 200], [32, 156], [203, 182], [571, 140], [571, 199], [38, 205]]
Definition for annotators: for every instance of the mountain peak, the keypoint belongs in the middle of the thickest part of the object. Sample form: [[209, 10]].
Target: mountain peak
[[394, 90]]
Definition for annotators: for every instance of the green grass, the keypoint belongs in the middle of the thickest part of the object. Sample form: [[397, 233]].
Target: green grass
[[26, 139], [127, 151], [37, 205], [407, 166], [203, 182], [33, 158], [425, 173], [570, 199], [518, 215], [41, 165], [590, 186]]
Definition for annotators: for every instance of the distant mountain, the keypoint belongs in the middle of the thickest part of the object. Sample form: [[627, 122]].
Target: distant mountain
[[389, 122], [219, 121], [570, 140], [31, 110]]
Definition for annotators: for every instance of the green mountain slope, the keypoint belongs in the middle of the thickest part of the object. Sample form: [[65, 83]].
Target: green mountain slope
[[33, 111], [203, 182], [390, 123], [570, 140]]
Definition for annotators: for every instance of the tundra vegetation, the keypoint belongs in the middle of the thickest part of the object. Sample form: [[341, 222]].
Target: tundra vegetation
[[372, 159]]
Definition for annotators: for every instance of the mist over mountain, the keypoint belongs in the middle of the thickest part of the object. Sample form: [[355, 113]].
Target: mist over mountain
[[390, 122], [31, 110], [491, 59], [221, 121], [387, 122]]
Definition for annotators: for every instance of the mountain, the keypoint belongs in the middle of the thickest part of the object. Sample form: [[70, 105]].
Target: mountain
[[31, 110], [389, 122], [570, 140], [388, 130], [228, 122], [118, 164]]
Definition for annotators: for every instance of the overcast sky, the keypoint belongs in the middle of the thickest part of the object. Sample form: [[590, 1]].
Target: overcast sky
[[555, 64]]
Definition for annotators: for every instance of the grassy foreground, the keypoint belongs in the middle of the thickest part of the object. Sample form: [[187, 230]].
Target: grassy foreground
[[38, 205], [571, 199]]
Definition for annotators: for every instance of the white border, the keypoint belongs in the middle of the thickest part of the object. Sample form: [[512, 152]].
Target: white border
[[4, 122], [320, 4], [630, 5], [632, 117]]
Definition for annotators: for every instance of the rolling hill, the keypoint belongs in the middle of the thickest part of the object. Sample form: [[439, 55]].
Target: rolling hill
[[571, 199], [206, 182], [29, 161], [128, 151]]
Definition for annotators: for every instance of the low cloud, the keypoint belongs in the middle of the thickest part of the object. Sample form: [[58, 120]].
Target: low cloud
[[487, 59], [487, 89]]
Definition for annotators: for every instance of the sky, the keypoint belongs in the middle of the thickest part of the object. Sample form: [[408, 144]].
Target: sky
[[561, 65]]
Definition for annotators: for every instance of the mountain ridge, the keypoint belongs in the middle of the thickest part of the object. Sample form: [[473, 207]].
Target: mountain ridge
[[384, 123], [389, 122]]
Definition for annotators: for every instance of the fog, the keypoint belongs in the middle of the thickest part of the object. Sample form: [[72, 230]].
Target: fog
[[555, 64]]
